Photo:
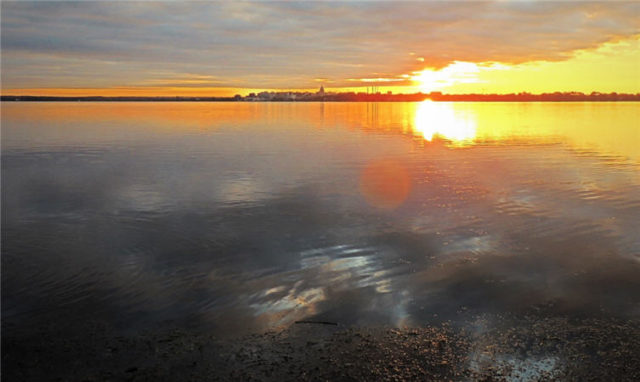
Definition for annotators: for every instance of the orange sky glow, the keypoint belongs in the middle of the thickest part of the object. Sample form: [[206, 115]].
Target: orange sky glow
[[223, 49]]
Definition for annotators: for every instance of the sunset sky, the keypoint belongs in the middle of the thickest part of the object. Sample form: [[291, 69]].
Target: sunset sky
[[224, 48]]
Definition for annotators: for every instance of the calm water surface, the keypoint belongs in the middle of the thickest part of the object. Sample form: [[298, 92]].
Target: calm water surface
[[245, 216]]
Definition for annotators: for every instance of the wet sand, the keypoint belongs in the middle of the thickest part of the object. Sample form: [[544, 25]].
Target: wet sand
[[487, 348]]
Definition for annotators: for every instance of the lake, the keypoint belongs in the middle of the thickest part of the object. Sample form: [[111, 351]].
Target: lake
[[243, 217]]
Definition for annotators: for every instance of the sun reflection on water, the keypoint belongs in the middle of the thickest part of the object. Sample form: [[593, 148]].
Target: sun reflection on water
[[441, 120]]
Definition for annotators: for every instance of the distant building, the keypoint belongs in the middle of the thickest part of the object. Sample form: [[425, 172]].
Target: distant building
[[321, 91], [265, 96]]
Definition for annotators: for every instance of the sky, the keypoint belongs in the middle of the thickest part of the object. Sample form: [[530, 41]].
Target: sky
[[221, 48]]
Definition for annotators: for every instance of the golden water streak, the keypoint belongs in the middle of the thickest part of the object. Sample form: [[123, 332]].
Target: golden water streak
[[605, 128]]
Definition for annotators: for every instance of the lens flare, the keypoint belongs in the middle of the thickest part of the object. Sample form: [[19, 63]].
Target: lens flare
[[385, 184]]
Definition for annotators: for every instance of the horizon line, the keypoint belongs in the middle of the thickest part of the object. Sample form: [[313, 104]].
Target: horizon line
[[266, 96], [438, 93]]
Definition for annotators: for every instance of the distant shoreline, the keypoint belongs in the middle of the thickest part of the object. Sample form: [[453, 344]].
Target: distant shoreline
[[349, 97]]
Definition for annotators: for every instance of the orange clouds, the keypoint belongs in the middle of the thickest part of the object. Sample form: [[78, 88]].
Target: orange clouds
[[108, 45]]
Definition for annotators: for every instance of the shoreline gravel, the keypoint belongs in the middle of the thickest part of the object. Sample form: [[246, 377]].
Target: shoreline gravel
[[487, 348]]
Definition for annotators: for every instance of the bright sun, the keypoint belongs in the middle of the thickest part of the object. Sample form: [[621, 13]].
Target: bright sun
[[430, 80]]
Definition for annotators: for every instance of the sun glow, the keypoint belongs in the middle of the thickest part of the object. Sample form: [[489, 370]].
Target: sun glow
[[429, 80], [442, 120]]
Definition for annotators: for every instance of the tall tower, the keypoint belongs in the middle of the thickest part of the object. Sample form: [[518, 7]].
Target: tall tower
[[321, 91]]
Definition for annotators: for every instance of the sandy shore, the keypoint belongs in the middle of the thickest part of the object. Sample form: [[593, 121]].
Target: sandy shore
[[489, 348]]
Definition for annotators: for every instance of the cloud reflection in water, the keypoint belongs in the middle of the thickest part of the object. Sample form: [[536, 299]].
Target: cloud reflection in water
[[254, 223]]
